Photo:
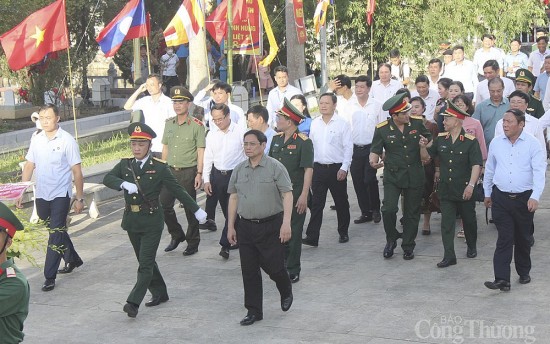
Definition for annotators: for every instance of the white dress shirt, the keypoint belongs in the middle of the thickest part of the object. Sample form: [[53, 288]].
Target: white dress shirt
[[380, 93], [341, 105], [536, 60], [155, 114], [482, 92], [464, 72], [532, 126], [430, 100], [481, 56], [223, 149], [275, 100], [269, 133], [332, 143], [169, 64], [515, 167], [363, 121]]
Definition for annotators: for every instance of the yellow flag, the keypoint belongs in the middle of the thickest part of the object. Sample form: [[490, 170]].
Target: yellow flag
[[273, 47]]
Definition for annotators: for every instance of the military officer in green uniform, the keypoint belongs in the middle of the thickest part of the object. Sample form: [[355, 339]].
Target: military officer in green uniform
[[295, 151], [14, 288], [142, 178], [183, 149], [460, 165], [398, 137], [525, 80]]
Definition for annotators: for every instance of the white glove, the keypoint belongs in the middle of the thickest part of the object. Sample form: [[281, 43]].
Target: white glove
[[130, 187], [200, 215]]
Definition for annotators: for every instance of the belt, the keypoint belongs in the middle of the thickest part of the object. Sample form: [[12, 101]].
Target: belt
[[223, 172], [512, 195], [362, 146], [264, 220], [328, 165], [145, 208], [180, 168]]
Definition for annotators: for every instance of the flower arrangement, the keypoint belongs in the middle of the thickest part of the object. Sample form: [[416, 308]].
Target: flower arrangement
[[23, 94]]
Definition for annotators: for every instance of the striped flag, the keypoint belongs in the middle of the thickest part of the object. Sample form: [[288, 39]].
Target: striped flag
[[186, 24], [320, 16], [371, 5]]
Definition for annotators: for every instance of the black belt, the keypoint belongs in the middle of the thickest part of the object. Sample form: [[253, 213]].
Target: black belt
[[222, 172], [512, 195], [327, 165], [144, 207], [265, 219], [180, 168], [361, 146]]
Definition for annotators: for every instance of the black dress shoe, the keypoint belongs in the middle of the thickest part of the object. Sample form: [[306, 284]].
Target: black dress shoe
[[376, 217], [234, 247], [408, 255], [48, 285], [69, 267], [363, 219], [446, 262], [498, 284], [189, 251], [286, 301], [294, 278], [524, 279], [224, 252], [309, 242], [388, 250], [130, 309], [332, 207], [172, 245], [156, 300], [210, 225], [249, 319], [343, 239], [471, 253]]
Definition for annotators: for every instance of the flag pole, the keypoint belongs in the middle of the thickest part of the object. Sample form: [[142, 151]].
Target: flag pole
[[336, 37], [371, 53], [255, 62], [229, 38], [71, 79], [148, 54]]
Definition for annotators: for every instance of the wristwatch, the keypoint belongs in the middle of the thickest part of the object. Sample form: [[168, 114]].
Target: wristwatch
[[81, 200]]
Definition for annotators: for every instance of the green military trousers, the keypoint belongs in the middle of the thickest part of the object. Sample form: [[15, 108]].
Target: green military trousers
[[467, 211], [293, 249]]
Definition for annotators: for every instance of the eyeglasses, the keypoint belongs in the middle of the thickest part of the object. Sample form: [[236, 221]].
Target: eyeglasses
[[218, 120], [250, 144]]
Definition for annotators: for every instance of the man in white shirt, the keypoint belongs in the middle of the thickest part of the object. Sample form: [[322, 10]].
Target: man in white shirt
[[384, 88], [400, 70], [341, 86], [542, 91], [536, 58], [333, 149], [364, 118], [224, 151], [169, 62], [434, 72], [156, 107], [485, 53], [258, 118], [429, 96], [276, 95], [492, 70], [463, 70], [221, 93]]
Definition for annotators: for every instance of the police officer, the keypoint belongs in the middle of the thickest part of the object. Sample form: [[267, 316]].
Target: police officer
[[460, 165], [295, 151], [183, 149], [399, 137], [142, 177], [525, 80], [14, 288]]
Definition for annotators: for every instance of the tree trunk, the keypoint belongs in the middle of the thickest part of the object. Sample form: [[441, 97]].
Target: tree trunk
[[295, 53]]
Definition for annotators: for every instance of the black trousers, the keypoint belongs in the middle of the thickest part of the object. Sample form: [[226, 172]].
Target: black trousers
[[54, 213], [260, 247], [364, 180], [513, 221], [324, 179], [169, 82], [219, 181]]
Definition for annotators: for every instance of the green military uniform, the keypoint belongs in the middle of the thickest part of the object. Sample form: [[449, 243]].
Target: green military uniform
[[182, 141], [296, 154], [403, 173], [142, 219], [14, 288], [534, 107]]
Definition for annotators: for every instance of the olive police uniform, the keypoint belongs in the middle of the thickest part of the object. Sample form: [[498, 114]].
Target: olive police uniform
[[535, 107], [456, 160], [14, 288], [182, 141], [142, 219], [296, 154], [260, 210], [403, 171]]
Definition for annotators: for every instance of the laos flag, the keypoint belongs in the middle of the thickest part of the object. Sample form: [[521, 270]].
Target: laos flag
[[130, 23]]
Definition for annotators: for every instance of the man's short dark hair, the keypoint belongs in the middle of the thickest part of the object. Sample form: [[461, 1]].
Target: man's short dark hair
[[366, 79], [259, 111], [387, 65], [491, 63], [518, 114], [420, 100], [547, 57], [496, 80], [344, 80], [445, 82], [156, 76], [422, 78], [224, 108], [259, 135], [394, 53], [515, 40], [54, 108], [280, 69], [404, 90], [223, 86], [543, 38], [438, 61], [331, 95], [458, 47], [521, 95], [487, 35]]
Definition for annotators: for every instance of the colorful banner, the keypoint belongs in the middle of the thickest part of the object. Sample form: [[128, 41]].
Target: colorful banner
[[247, 30], [300, 22], [13, 191]]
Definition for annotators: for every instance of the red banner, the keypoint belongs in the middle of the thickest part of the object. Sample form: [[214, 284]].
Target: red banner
[[13, 191], [247, 30], [299, 19]]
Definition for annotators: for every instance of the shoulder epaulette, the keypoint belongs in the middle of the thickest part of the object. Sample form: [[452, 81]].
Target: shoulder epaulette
[[469, 136], [303, 136], [198, 121], [535, 97], [160, 160], [170, 119], [381, 124], [443, 134], [416, 117], [280, 134]]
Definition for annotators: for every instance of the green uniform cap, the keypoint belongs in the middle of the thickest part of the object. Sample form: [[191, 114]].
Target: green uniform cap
[[141, 131], [454, 111], [524, 75], [180, 93], [290, 111], [9, 221], [396, 104]]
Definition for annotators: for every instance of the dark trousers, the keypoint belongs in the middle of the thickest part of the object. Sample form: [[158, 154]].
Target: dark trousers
[[260, 247], [467, 212], [54, 213], [169, 82], [145, 246], [364, 180], [513, 221], [219, 181], [186, 178], [182, 71], [324, 179], [293, 247]]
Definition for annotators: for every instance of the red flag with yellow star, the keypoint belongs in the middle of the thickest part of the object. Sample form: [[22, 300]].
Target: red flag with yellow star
[[42, 32]]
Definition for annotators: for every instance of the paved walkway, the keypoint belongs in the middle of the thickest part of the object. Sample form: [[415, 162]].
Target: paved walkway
[[347, 293]]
